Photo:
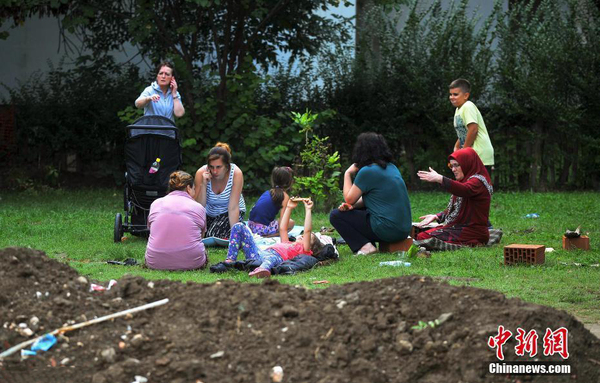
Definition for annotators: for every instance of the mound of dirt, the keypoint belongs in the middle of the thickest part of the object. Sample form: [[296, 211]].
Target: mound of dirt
[[232, 332]]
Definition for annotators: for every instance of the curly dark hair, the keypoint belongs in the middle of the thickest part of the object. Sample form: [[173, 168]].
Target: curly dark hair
[[371, 148]]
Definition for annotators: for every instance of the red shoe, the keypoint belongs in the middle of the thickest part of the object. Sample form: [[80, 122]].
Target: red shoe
[[259, 272]]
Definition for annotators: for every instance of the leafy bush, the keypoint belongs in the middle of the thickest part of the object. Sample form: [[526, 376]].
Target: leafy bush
[[259, 139], [73, 111], [317, 172]]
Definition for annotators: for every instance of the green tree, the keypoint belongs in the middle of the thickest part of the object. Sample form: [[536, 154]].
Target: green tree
[[399, 84]]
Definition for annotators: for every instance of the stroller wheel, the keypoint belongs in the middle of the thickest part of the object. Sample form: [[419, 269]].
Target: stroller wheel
[[118, 228]]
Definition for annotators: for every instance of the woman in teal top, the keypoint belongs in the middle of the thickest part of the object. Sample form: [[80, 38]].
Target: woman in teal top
[[376, 206]]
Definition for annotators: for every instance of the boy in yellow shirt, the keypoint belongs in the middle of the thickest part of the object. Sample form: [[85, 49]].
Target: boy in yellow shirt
[[469, 125]]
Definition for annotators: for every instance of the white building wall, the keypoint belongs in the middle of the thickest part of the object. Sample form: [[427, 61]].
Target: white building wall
[[32, 47], [28, 49]]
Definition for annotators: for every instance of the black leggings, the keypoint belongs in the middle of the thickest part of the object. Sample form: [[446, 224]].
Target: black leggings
[[354, 226], [219, 226]]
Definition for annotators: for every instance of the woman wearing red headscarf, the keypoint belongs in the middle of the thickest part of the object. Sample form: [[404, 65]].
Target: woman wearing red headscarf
[[465, 220]]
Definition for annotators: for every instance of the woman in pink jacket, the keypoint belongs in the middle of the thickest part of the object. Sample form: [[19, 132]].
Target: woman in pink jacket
[[177, 223]]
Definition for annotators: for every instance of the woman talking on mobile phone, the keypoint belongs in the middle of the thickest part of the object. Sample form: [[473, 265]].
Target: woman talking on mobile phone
[[161, 97]]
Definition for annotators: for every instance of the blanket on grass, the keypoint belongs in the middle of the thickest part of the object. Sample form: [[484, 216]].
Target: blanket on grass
[[434, 244], [297, 264], [261, 242]]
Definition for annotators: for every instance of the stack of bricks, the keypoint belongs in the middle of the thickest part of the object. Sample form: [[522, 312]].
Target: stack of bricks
[[582, 242], [403, 245], [528, 254]]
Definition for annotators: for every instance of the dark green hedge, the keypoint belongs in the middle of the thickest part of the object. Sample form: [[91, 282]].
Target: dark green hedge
[[535, 72]]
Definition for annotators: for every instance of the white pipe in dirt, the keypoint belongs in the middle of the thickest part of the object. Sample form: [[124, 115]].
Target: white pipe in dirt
[[62, 330]]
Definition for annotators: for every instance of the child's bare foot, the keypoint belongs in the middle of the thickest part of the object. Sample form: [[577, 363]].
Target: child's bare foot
[[368, 248]]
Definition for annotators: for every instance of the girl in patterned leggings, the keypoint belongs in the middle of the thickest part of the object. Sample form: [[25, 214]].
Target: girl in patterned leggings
[[241, 239]]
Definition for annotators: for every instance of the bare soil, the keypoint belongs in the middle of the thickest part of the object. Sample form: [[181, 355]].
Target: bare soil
[[232, 332]]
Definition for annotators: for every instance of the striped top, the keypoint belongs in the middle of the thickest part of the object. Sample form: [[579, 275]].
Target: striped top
[[217, 204]]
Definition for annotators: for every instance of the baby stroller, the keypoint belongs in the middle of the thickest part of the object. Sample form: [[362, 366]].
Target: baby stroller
[[148, 138]]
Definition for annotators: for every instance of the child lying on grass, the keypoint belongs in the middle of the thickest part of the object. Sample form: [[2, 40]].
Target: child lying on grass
[[241, 238]]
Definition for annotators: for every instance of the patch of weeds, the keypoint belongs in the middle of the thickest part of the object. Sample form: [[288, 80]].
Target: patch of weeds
[[423, 325]]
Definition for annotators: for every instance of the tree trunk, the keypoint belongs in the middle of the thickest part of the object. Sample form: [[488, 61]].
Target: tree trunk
[[536, 155], [362, 8], [564, 174], [552, 174], [222, 99], [187, 91], [522, 176], [410, 162], [544, 165], [575, 154]]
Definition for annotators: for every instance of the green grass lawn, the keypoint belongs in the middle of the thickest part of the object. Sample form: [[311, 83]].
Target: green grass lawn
[[77, 227]]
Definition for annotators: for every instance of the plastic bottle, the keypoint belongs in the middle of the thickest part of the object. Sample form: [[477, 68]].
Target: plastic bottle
[[394, 263], [155, 166]]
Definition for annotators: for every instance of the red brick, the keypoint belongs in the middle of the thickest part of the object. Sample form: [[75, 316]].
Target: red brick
[[529, 254], [582, 242], [403, 245]]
